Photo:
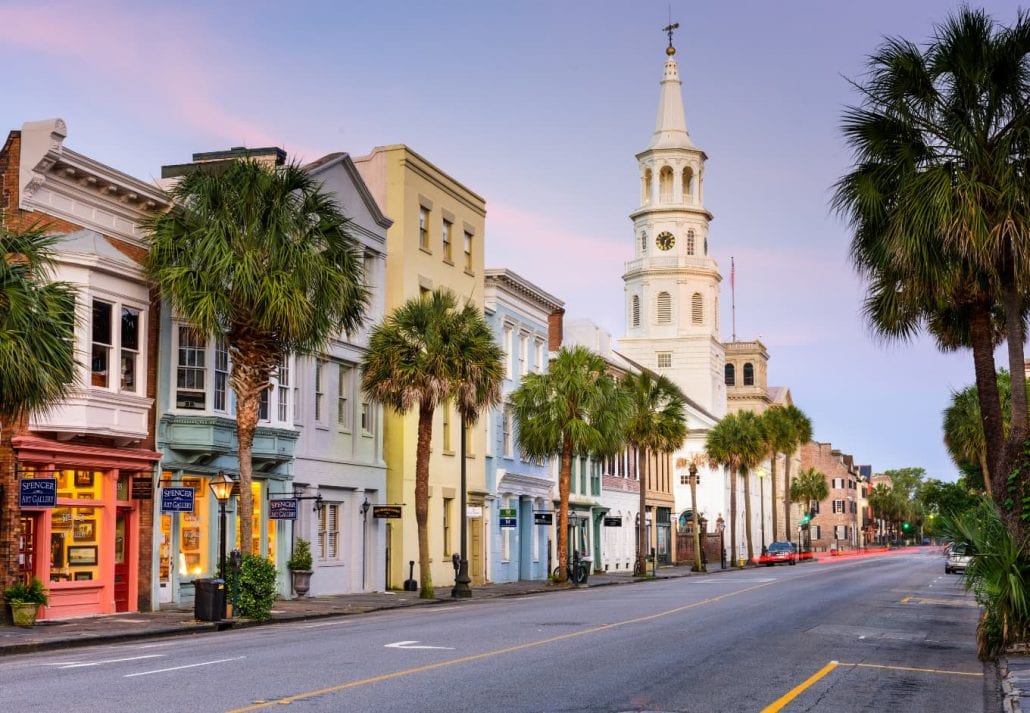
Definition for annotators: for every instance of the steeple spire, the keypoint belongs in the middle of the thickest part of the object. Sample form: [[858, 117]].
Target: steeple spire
[[671, 129]]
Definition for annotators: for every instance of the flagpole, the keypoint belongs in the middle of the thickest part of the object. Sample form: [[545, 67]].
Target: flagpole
[[733, 296]]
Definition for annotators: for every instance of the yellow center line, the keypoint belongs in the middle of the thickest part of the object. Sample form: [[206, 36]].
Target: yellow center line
[[911, 668], [906, 600], [781, 702], [498, 652]]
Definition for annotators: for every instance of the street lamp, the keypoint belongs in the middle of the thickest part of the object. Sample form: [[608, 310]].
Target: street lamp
[[221, 486], [760, 472]]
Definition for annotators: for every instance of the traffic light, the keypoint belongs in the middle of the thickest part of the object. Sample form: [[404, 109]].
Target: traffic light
[[905, 526], [805, 519]]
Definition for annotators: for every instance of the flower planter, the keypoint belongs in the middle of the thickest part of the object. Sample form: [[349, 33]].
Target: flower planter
[[301, 581], [24, 613]]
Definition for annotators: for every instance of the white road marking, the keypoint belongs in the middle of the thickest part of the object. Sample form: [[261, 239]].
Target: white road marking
[[99, 663], [411, 645], [324, 623], [179, 668]]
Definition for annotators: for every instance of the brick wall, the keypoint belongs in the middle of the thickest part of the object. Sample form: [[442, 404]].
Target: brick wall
[[824, 458]]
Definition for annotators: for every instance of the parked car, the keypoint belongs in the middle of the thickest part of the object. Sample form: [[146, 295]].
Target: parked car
[[959, 555], [780, 552]]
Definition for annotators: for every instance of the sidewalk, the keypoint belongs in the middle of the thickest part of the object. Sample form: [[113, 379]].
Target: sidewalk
[[88, 631]]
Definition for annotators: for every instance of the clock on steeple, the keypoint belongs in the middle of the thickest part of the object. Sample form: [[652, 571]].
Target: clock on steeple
[[665, 240]]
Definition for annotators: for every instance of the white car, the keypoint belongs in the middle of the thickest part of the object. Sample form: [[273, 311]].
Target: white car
[[958, 558]]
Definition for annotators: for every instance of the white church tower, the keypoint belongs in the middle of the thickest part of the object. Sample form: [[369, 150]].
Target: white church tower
[[672, 283]]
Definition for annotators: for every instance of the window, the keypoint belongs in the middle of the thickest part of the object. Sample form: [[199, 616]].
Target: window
[[448, 506], [684, 478], [343, 414], [690, 242], [263, 404], [221, 374], [329, 532], [731, 374], [189, 377], [749, 374], [367, 419], [423, 228], [840, 532], [818, 534], [664, 308], [468, 251], [445, 409], [130, 348], [688, 181], [664, 360], [102, 342], [283, 391], [837, 483], [523, 355], [297, 411], [507, 352], [838, 507], [538, 358], [506, 432], [697, 308], [643, 241], [319, 390], [665, 184], [706, 245], [595, 478], [445, 237], [635, 311]]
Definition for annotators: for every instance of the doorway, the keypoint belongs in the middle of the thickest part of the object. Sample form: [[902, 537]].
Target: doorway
[[27, 546], [122, 559], [476, 549]]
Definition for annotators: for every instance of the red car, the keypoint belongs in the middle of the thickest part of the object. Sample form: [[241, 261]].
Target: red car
[[780, 552]]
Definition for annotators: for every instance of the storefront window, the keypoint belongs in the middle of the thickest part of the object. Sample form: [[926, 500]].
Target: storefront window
[[76, 526], [194, 531]]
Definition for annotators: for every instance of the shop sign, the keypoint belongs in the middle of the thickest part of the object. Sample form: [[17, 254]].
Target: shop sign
[[543, 518], [390, 512], [38, 493], [508, 518], [613, 522], [473, 511], [283, 509], [177, 499], [142, 488]]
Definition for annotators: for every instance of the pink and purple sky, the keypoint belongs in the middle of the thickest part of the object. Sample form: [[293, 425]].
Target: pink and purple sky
[[540, 107]]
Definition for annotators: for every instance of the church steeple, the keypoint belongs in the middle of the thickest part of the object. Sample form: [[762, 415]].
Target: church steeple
[[671, 128]]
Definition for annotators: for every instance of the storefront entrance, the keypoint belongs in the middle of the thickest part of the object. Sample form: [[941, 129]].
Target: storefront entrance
[[27, 546], [121, 559]]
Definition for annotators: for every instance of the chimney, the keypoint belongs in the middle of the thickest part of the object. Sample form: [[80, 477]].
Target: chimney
[[555, 322], [267, 156]]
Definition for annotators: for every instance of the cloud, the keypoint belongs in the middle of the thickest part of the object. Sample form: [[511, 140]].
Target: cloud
[[162, 62]]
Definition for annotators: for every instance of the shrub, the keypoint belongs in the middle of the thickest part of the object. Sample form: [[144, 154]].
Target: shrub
[[301, 558], [31, 593], [255, 589]]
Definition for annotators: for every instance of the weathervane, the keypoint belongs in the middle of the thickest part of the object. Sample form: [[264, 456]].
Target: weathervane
[[669, 28]]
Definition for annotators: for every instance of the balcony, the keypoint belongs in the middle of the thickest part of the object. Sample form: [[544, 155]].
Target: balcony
[[197, 439], [671, 262]]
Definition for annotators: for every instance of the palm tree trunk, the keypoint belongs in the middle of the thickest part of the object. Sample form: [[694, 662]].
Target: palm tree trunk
[[985, 370], [786, 494], [698, 564], [247, 386], [564, 484], [987, 474], [747, 515], [9, 511], [640, 569], [772, 499], [425, 434], [734, 556], [1018, 428]]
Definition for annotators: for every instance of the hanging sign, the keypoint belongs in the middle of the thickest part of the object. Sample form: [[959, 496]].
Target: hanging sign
[[613, 522], [543, 518], [390, 512], [282, 509], [37, 493], [142, 488], [508, 518], [177, 499]]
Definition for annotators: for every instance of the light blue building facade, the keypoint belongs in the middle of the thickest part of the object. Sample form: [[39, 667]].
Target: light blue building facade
[[522, 317]]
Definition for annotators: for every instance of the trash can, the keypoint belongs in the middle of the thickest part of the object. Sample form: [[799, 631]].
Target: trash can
[[209, 600]]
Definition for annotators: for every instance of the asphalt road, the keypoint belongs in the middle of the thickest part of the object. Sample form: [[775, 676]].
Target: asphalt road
[[884, 633]]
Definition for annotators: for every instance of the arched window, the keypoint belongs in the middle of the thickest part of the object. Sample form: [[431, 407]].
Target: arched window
[[635, 311], [731, 375], [706, 245], [749, 374], [697, 309], [643, 241], [664, 308], [688, 180], [646, 198], [690, 242], [665, 185]]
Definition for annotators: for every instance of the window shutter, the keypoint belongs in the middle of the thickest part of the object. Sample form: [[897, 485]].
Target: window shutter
[[697, 312], [664, 308]]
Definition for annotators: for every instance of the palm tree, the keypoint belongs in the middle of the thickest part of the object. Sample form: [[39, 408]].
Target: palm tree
[[939, 202], [809, 487], [738, 443], [37, 365], [428, 351], [800, 432], [695, 461], [263, 258], [576, 408], [656, 423]]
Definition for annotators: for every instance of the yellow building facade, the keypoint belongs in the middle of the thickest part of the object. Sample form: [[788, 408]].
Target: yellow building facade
[[436, 241]]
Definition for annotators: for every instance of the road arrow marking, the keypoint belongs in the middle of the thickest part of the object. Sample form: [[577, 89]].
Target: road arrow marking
[[411, 645]]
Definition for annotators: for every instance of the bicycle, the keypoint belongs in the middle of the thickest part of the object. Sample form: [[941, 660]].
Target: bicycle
[[577, 570]]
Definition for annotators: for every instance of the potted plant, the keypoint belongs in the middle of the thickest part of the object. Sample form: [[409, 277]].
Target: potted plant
[[299, 565], [24, 600]]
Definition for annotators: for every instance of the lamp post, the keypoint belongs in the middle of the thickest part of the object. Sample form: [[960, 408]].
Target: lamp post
[[221, 486], [461, 589], [760, 472]]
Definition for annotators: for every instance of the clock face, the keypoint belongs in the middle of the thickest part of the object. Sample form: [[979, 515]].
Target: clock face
[[665, 241]]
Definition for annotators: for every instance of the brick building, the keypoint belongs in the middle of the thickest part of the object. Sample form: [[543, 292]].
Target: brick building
[[838, 519]]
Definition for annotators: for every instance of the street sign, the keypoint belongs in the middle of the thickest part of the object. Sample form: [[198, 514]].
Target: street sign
[[38, 493], [543, 518], [613, 522], [509, 518], [473, 511], [282, 509], [177, 499], [142, 488], [508, 512], [390, 512]]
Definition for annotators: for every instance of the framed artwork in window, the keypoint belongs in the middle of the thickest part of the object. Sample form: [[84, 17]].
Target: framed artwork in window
[[61, 519], [85, 531], [83, 576], [190, 538], [84, 479], [85, 511], [62, 480], [197, 484], [56, 550], [82, 555]]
